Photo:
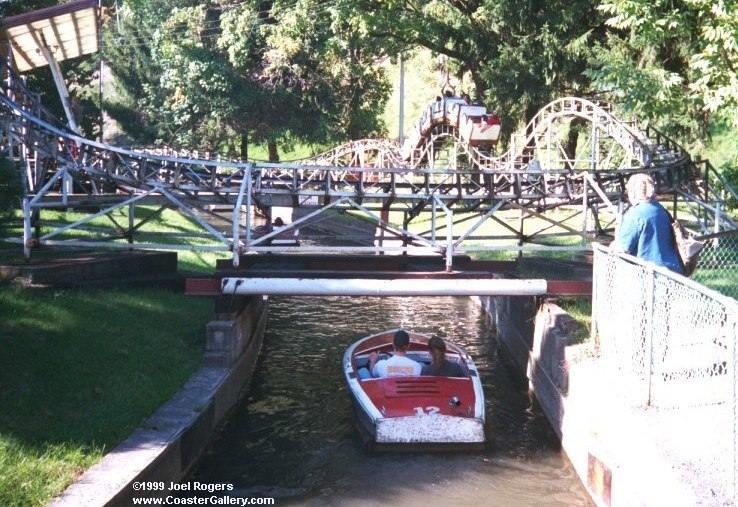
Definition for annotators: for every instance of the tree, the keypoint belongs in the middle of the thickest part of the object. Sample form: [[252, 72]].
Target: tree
[[14, 7], [216, 76], [519, 55], [672, 62]]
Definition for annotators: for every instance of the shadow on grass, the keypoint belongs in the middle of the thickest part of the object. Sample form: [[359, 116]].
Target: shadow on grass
[[79, 370]]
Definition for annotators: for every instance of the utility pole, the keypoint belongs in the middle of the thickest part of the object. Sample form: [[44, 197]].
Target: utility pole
[[401, 128]]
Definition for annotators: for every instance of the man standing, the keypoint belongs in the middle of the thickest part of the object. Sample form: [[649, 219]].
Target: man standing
[[646, 230]]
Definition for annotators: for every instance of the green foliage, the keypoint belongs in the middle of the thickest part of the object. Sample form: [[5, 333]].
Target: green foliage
[[220, 76], [14, 7], [518, 55], [670, 62], [421, 86], [721, 149], [580, 308], [215, 77]]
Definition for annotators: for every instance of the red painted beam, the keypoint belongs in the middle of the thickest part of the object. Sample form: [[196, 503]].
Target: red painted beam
[[202, 287], [569, 288]]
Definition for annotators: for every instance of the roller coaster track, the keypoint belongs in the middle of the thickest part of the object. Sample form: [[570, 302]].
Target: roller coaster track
[[381, 153], [61, 169]]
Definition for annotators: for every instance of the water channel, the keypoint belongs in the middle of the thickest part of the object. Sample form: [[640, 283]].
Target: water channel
[[292, 436]]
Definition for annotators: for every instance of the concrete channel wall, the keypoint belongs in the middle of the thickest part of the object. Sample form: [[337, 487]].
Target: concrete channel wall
[[610, 451], [167, 445]]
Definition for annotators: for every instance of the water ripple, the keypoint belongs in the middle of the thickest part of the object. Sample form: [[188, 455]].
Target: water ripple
[[293, 437]]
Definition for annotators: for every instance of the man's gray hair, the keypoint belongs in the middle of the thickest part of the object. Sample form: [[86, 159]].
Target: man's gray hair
[[640, 188]]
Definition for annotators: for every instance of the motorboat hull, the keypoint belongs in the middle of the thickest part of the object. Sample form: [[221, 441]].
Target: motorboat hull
[[425, 411]]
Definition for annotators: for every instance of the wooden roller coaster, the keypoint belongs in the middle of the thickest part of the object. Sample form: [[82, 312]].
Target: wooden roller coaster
[[443, 173]]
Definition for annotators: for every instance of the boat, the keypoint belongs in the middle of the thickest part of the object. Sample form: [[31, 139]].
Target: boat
[[430, 411]]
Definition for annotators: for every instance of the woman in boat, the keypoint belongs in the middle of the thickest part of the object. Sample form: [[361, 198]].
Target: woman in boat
[[440, 366]]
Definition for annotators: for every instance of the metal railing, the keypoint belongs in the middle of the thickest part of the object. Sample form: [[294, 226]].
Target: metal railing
[[672, 337], [670, 344]]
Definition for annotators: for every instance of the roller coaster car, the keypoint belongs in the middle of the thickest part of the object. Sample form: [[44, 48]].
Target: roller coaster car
[[480, 130], [458, 113], [475, 126]]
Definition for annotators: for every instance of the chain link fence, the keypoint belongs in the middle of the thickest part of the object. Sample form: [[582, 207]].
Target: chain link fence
[[670, 344], [670, 335], [717, 267]]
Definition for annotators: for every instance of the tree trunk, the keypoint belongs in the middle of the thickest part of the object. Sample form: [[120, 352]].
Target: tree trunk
[[479, 85], [530, 112], [354, 127], [244, 146], [570, 146], [273, 153]]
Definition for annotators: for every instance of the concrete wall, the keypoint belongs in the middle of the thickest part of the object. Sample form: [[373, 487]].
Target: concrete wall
[[169, 443], [608, 445], [512, 318]]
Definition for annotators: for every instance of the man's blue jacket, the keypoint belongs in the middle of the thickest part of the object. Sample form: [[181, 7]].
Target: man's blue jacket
[[646, 233]]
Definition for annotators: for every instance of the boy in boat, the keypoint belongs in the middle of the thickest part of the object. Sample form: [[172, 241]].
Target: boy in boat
[[440, 366], [399, 365]]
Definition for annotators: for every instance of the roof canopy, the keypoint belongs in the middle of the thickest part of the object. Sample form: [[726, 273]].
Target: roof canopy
[[69, 30]]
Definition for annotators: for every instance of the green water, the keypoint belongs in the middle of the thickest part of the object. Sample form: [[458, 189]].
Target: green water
[[293, 438]]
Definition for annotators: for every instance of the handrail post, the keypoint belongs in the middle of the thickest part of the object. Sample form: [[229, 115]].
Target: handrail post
[[248, 174], [236, 217], [26, 228], [597, 270], [433, 219], [449, 240], [585, 206], [705, 183], [650, 294], [717, 221], [734, 385], [131, 221]]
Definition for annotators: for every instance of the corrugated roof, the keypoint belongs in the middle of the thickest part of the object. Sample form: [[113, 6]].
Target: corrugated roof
[[69, 30]]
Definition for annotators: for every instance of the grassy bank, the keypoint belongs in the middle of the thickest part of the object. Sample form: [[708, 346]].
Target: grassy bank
[[169, 227], [79, 370], [580, 308]]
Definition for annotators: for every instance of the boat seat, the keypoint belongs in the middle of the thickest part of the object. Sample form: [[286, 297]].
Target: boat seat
[[421, 357]]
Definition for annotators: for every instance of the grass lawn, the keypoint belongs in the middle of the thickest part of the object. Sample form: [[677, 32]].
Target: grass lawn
[[79, 370], [722, 280], [159, 229], [510, 217]]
